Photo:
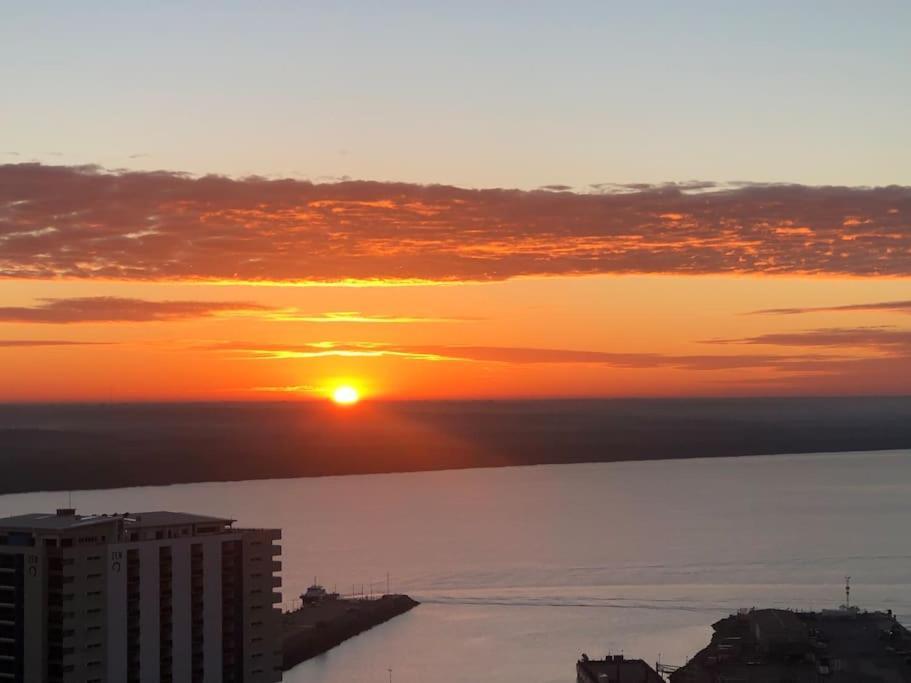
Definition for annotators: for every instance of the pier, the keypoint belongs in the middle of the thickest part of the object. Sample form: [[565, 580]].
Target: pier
[[318, 626]]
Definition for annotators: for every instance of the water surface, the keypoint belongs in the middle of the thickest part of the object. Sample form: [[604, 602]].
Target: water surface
[[521, 569]]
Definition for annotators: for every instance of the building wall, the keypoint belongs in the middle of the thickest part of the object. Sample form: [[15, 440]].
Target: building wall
[[262, 620], [92, 615], [180, 605], [149, 605], [25, 568], [212, 610], [35, 615], [84, 605], [117, 613]]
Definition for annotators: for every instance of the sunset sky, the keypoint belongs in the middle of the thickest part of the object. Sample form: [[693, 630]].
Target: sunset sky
[[440, 200]]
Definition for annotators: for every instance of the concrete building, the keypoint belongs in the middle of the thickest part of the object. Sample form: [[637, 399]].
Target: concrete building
[[615, 669], [773, 645], [779, 633], [152, 597]]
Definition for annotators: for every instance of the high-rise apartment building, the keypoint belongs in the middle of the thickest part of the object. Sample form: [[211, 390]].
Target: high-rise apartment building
[[152, 597]]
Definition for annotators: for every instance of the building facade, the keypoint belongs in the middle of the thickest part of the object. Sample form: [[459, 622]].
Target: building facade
[[138, 598], [615, 669]]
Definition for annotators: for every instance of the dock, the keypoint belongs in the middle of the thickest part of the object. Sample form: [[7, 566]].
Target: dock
[[319, 626]]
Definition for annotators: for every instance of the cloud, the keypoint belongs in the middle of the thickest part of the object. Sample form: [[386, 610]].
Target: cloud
[[328, 349], [83, 222], [114, 309], [25, 343], [105, 309], [291, 315], [889, 306], [513, 355], [885, 339], [292, 389]]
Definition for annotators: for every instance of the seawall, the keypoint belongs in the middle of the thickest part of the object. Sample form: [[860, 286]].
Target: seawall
[[315, 629]]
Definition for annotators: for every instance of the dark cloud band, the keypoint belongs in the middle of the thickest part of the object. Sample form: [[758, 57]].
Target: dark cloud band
[[877, 306], [101, 309]]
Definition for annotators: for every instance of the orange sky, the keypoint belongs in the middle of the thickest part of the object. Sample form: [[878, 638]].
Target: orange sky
[[594, 202], [525, 337]]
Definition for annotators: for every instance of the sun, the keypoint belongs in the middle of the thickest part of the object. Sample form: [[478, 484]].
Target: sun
[[345, 395]]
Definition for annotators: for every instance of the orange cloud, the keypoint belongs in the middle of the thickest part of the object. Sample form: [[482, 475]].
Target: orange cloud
[[878, 306], [26, 343], [516, 355], [880, 338], [83, 222], [103, 309], [291, 315]]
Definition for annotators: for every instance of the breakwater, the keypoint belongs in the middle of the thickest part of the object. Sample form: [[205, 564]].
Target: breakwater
[[317, 628]]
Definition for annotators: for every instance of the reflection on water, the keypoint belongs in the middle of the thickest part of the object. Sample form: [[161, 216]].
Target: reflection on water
[[521, 569]]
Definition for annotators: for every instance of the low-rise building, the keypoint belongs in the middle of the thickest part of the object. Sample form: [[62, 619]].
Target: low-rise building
[[773, 645], [779, 633], [615, 669]]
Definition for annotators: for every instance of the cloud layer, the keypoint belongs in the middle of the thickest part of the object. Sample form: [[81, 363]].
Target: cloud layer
[[877, 306], [26, 343], [82, 222], [116, 309], [882, 338], [106, 309], [518, 355]]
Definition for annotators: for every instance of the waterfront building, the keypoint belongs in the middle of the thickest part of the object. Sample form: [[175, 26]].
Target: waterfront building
[[846, 645], [152, 597], [615, 669]]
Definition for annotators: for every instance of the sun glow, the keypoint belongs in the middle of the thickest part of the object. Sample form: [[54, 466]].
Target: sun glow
[[345, 395]]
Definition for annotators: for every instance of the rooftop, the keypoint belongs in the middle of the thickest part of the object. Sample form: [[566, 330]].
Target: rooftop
[[615, 669], [839, 646], [66, 518], [778, 622], [165, 518]]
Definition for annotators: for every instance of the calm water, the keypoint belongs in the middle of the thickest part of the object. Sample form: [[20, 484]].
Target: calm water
[[521, 569]]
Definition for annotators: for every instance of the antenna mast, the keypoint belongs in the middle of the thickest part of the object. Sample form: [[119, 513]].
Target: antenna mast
[[847, 592]]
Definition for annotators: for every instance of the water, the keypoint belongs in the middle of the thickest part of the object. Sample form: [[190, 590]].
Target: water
[[521, 569]]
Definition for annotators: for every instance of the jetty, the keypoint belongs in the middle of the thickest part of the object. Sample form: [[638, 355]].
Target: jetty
[[326, 620]]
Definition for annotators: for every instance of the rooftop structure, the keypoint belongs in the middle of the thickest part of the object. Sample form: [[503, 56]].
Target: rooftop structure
[[66, 518], [771, 645], [149, 597], [615, 669]]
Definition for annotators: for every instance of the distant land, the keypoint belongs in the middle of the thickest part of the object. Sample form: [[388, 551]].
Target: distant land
[[83, 446]]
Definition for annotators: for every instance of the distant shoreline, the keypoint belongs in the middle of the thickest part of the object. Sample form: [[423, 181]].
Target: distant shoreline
[[100, 446], [621, 461]]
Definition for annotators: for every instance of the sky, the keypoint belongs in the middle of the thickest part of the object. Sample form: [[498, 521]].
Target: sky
[[241, 201]]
